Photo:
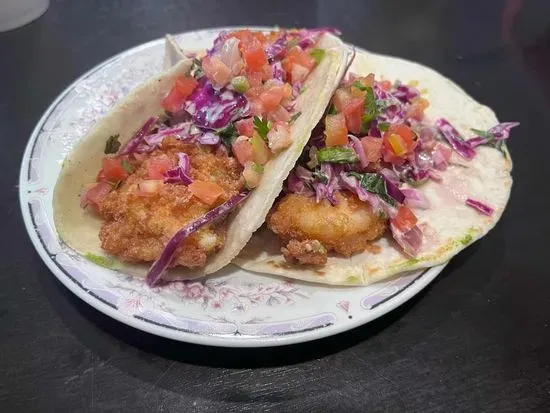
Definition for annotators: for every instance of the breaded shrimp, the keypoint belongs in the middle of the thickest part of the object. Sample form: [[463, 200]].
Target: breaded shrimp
[[346, 228], [137, 227]]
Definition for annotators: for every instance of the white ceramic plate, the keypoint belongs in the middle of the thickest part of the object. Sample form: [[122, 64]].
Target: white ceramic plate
[[234, 308]]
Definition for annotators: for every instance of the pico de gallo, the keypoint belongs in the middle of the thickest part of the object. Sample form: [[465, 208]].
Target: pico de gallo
[[373, 140], [237, 102]]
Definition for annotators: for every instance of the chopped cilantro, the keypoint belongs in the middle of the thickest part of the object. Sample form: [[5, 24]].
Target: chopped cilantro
[[483, 134], [196, 69], [262, 127], [228, 135], [371, 110], [375, 184], [112, 145], [127, 166], [384, 126], [332, 110], [320, 176]]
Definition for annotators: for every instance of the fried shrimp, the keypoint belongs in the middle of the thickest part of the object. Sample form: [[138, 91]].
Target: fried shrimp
[[137, 226], [346, 228]]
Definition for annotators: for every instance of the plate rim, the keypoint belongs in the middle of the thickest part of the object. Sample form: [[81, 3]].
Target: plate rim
[[412, 289]]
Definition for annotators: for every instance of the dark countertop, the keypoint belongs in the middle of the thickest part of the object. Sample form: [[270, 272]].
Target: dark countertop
[[477, 339]]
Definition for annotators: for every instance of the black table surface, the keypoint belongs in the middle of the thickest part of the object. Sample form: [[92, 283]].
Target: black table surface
[[477, 339]]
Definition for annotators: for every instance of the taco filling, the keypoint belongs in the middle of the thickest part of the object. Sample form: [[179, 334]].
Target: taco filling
[[360, 172], [160, 195]]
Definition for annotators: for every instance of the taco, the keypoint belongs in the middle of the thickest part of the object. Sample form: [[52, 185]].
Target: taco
[[388, 182], [184, 169]]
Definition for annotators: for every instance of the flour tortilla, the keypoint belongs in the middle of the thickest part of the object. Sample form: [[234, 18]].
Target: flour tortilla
[[79, 228], [172, 52], [448, 226]]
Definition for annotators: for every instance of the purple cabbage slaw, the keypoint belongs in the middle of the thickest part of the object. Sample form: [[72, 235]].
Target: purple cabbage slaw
[[179, 174], [431, 156], [166, 258]]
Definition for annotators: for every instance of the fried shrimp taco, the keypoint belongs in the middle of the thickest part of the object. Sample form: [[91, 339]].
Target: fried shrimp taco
[[404, 171], [185, 168]]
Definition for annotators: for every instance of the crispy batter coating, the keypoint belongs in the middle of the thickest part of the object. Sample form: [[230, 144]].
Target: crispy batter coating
[[346, 228], [309, 252], [136, 227]]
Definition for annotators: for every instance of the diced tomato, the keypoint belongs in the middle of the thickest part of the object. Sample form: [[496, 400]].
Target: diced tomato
[[254, 55], [158, 167], [242, 149], [100, 176], [113, 170], [367, 81], [405, 132], [353, 110], [207, 192], [405, 220], [272, 97], [389, 156], [245, 36], [186, 85], [372, 147], [340, 99], [398, 142], [279, 137], [301, 57], [298, 73], [254, 92], [173, 102], [335, 130], [260, 151], [216, 70], [254, 79], [245, 127], [266, 72], [95, 194], [256, 107], [416, 110], [385, 85], [279, 115]]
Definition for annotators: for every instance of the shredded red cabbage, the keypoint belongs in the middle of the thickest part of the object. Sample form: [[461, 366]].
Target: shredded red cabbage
[[404, 93], [455, 140], [393, 190], [410, 241], [179, 174], [160, 266], [209, 138], [133, 143], [352, 184], [276, 48], [480, 207], [358, 148], [218, 43], [415, 199], [497, 133], [183, 131], [308, 37], [215, 109], [277, 71]]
